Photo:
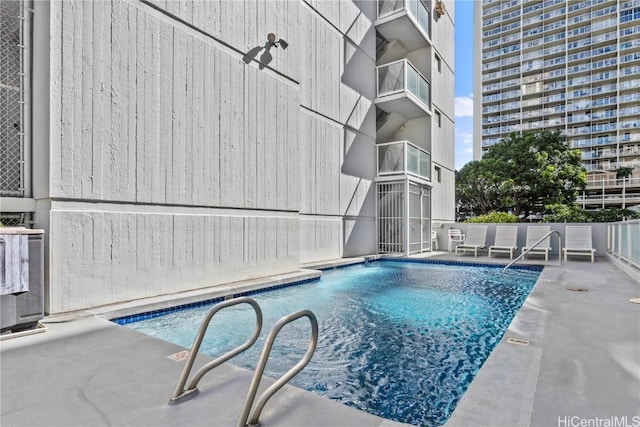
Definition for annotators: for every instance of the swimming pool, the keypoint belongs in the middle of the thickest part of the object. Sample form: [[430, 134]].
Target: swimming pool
[[401, 340]]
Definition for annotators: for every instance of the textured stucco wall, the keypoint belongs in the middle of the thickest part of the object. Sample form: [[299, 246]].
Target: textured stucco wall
[[443, 90], [183, 153]]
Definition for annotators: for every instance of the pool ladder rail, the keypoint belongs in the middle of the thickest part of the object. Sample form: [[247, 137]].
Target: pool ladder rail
[[247, 416], [535, 245]]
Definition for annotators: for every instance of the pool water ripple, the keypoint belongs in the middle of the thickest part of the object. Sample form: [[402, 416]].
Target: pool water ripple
[[399, 340]]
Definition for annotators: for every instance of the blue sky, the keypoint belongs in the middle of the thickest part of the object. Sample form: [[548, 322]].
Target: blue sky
[[464, 82]]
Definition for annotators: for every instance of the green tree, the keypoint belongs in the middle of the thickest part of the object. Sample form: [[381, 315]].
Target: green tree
[[522, 173], [623, 172], [478, 190]]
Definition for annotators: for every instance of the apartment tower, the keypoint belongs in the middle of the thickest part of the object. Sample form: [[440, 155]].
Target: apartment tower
[[572, 66]]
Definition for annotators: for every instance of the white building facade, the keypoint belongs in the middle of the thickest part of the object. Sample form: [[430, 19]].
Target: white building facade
[[166, 146], [565, 65]]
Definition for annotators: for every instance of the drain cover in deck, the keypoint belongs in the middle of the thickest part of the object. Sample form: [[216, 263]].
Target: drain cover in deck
[[179, 356], [518, 341]]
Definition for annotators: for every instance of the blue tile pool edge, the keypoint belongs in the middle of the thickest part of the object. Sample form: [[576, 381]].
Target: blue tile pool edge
[[465, 263], [125, 320]]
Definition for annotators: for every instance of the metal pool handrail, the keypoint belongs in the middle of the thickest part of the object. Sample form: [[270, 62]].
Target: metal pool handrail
[[264, 357], [181, 393], [536, 244]]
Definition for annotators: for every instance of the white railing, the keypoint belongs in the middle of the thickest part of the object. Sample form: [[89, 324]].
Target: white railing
[[623, 241], [400, 76], [403, 157], [606, 182], [415, 8]]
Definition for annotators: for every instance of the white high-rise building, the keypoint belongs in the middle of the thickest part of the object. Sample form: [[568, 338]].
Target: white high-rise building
[[565, 65], [166, 146]]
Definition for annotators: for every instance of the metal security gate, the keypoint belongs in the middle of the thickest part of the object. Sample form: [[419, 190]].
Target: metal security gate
[[391, 219], [15, 94], [419, 218], [404, 223]]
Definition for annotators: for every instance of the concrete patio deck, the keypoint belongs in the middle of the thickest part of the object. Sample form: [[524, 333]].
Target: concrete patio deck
[[582, 362]]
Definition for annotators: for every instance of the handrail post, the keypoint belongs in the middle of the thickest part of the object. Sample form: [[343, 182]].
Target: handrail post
[[181, 393], [264, 357], [535, 245]]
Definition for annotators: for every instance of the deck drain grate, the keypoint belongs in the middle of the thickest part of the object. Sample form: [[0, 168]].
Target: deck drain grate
[[578, 289], [518, 341]]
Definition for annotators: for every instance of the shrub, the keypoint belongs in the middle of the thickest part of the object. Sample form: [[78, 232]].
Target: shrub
[[494, 217], [572, 213], [613, 215], [565, 213]]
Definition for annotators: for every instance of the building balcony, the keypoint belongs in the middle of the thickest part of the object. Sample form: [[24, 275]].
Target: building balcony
[[597, 183], [403, 158], [402, 89], [408, 21]]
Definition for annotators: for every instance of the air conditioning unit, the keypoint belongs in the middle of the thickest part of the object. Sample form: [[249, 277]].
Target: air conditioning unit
[[21, 278]]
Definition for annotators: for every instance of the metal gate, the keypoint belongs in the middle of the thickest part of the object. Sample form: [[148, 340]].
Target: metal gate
[[404, 217], [391, 199], [15, 94]]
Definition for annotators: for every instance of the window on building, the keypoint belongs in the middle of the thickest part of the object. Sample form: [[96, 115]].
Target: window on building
[[438, 174], [439, 119], [438, 63]]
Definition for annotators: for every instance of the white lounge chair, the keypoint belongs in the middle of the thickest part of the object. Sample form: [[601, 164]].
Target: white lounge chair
[[475, 239], [535, 233], [578, 241], [506, 240]]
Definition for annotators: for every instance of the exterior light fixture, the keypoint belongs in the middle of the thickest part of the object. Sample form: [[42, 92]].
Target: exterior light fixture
[[271, 38]]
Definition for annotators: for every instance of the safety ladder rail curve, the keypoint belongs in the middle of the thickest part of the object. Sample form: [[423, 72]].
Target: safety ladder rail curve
[[535, 245], [180, 394], [253, 416]]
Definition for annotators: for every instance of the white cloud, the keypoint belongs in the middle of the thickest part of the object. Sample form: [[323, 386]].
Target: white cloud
[[464, 137], [464, 106], [468, 150]]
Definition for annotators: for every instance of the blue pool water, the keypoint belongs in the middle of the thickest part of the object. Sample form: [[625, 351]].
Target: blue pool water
[[400, 340]]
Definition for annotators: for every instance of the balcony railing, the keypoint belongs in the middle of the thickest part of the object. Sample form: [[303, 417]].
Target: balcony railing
[[403, 157], [596, 182], [400, 77], [415, 8]]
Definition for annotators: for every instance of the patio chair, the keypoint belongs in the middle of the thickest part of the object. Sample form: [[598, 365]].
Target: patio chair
[[535, 233], [434, 239], [506, 240], [475, 240], [578, 241], [455, 236]]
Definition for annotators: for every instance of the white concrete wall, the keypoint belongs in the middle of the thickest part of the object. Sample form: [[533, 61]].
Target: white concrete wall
[[443, 93], [337, 216], [186, 154]]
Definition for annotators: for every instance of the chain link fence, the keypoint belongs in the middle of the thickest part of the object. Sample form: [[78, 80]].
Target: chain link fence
[[17, 219], [14, 73]]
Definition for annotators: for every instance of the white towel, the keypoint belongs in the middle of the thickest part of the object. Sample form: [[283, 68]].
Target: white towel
[[14, 263]]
